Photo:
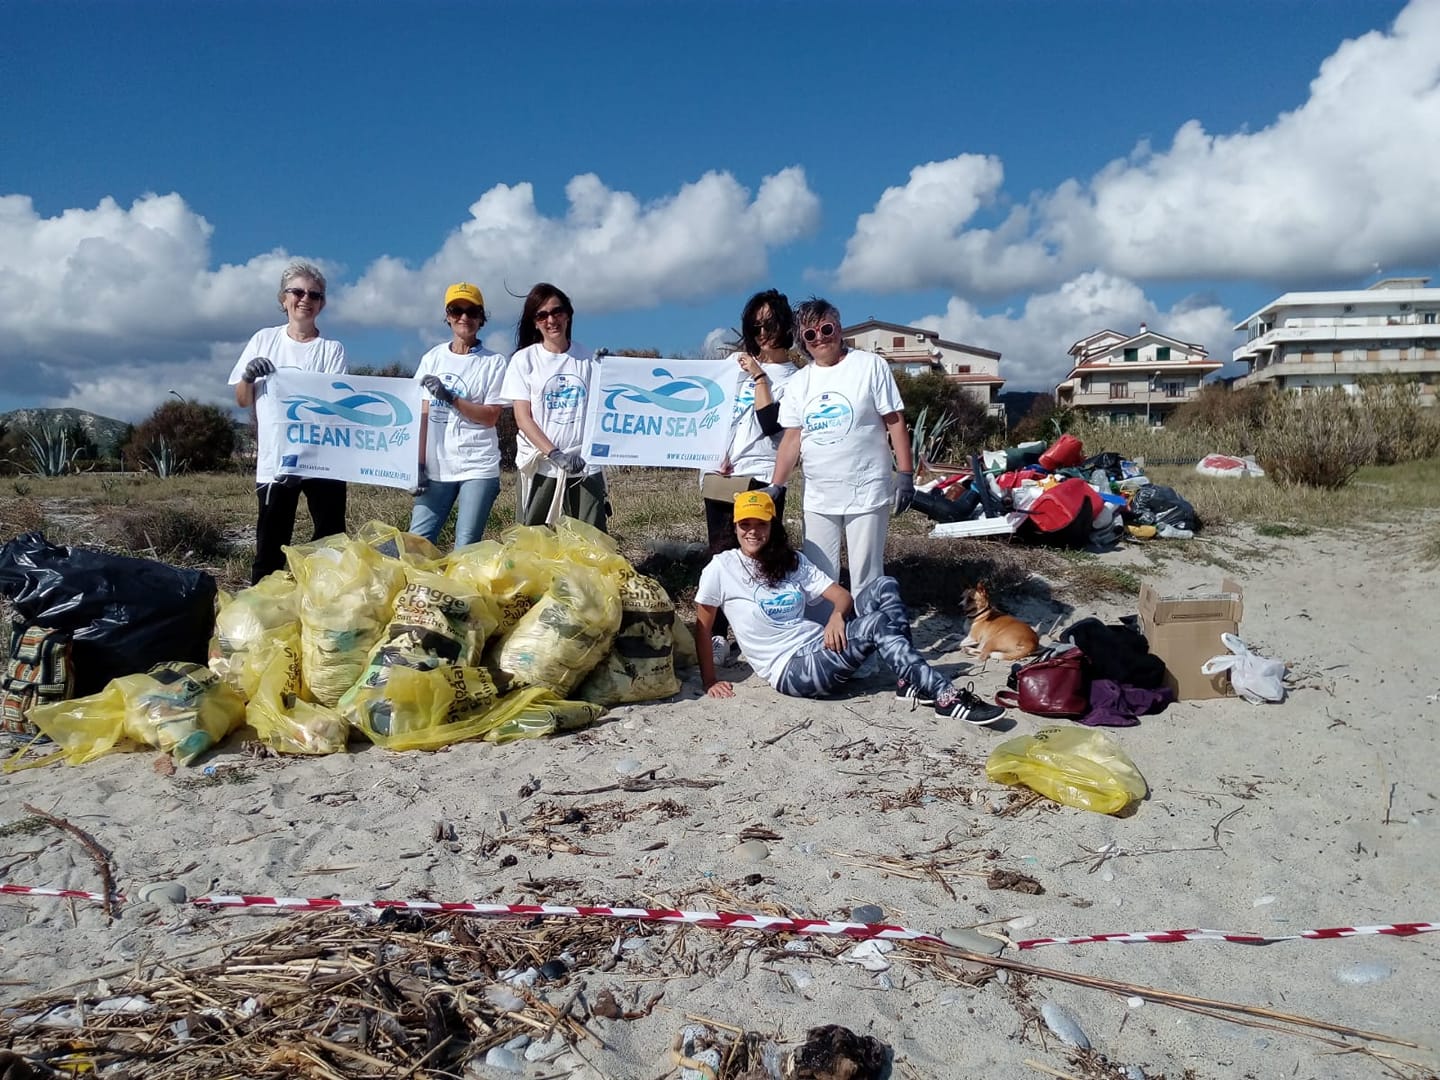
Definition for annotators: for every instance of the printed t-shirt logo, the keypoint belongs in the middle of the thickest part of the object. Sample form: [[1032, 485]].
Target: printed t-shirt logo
[[564, 397], [828, 417], [744, 398], [781, 607]]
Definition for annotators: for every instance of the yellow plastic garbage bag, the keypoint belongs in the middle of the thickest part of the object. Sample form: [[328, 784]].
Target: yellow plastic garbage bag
[[685, 655], [281, 716], [640, 666], [346, 593], [581, 542], [568, 631], [1079, 767], [435, 618], [513, 573], [393, 543], [406, 708], [539, 714], [248, 627], [181, 709]]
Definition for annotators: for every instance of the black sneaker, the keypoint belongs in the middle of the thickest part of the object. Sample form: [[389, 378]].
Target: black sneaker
[[909, 692], [958, 704]]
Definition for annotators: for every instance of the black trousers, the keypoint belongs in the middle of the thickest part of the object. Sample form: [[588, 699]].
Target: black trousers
[[275, 525]]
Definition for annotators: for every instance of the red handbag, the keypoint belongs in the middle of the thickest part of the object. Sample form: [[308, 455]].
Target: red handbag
[[1057, 686]]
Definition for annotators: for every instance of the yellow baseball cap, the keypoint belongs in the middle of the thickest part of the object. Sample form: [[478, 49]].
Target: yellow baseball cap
[[754, 504], [463, 290]]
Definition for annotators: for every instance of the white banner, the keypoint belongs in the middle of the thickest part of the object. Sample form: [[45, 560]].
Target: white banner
[[361, 428], [665, 413]]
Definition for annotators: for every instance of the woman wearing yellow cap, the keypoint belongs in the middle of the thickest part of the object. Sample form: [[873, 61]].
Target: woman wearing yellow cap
[[460, 451], [764, 586]]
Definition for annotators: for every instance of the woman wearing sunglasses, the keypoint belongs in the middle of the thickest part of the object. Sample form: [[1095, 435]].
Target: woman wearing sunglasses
[[297, 344], [549, 381], [460, 451], [843, 413], [766, 336]]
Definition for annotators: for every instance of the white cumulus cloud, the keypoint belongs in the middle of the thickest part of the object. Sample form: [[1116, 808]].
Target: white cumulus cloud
[[1348, 180], [1033, 339], [609, 251]]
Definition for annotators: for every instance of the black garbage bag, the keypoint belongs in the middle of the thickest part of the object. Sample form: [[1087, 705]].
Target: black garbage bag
[[937, 507], [1155, 504], [124, 615], [1109, 461]]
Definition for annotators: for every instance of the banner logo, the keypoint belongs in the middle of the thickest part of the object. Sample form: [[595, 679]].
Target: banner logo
[[678, 395], [351, 409]]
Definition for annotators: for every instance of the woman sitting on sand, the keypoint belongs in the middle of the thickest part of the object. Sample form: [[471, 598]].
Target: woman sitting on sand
[[764, 585]]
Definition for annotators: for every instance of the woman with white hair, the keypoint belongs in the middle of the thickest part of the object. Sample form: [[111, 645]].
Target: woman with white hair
[[296, 344]]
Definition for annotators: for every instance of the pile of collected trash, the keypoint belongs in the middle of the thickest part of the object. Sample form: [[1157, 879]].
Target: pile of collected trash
[[381, 634], [1055, 496]]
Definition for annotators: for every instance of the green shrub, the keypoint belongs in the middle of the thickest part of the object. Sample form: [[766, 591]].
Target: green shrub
[[168, 530], [1318, 440]]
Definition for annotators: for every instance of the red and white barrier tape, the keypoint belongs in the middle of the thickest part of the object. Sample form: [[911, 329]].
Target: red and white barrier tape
[[729, 920]]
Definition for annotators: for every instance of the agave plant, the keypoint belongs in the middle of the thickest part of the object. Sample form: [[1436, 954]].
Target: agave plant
[[50, 453], [161, 459], [928, 437]]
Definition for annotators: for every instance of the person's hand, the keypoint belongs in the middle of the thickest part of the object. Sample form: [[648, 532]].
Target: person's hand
[[775, 491], [725, 468], [902, 494], [437, 389], [835, 632], [567, 461], [289, 481], [720, 690], [422, 482], [751, 364], [258, 368]]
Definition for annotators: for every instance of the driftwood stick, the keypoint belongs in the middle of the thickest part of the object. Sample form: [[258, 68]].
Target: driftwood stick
[[96, 852]]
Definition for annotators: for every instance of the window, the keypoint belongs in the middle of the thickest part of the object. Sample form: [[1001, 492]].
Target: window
[[850, 342], [1174, 389], [961, 369], [897, 343], [1085, 385], [1132, 355], [1119, 390], [1430, 317], [1162, 354]]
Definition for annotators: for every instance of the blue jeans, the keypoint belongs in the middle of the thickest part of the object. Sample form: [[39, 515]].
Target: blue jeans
[[433, 508]]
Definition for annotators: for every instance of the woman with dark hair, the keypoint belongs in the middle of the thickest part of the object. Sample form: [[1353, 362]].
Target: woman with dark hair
[[843, 412], [296, 344], [764, 585], [460, 450], [548, 382], [766, 336]]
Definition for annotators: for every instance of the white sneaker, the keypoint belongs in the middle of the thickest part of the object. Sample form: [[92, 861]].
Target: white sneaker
[[720, 650]]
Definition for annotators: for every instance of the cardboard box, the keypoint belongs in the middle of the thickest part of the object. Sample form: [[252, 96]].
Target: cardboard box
[[1184, 631]]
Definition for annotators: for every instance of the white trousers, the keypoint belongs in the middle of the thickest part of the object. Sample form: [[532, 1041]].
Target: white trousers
[[864, 544]]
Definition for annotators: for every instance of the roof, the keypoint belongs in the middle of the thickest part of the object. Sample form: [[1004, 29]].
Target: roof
[[1142, 335], [1159, 367], [1372, 297], [877, 324]]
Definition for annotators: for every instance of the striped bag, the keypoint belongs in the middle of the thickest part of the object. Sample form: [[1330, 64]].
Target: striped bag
[[38, 672]]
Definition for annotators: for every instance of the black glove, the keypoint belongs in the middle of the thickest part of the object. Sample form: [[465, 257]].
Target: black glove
[[568, 462], [437, 389], [902, 494], [422, 481], [258, 368], [775, 491]]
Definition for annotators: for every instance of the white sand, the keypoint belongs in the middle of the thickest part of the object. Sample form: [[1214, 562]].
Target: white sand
[[1311, 780]]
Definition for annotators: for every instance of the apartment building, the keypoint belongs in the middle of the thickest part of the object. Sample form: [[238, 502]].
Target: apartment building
[[915, 351], [1136, 378], [1306, 341]]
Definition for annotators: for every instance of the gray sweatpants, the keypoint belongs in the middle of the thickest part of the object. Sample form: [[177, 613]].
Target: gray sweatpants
[[881, 624]]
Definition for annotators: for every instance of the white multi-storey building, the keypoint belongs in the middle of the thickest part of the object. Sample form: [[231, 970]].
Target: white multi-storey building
[[915, 351], [1125, 378], [1306, 341]]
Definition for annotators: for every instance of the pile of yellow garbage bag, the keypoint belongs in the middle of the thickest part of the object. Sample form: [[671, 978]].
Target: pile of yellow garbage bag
[[381, 634]]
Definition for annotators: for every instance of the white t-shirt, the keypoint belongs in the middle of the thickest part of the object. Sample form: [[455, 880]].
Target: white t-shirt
[[842, 438], [751, 451], [557, 385], [457, 448], [283, 351], [768, 620]]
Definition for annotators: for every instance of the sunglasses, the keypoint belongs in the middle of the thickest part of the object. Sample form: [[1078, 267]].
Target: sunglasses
[[301, 294], [549, 313], [463, 312], [819, 333], [770, 325]]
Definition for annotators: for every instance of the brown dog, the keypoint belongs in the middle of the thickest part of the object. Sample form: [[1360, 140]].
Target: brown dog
[[993, 634]]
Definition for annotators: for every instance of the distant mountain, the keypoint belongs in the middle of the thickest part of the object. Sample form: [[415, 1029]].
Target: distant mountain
[[105, 431]]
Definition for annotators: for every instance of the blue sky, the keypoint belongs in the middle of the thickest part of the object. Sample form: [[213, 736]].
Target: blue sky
[[1014, 175]]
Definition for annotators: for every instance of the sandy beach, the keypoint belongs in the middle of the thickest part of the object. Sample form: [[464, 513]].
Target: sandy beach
[[1318, 812]]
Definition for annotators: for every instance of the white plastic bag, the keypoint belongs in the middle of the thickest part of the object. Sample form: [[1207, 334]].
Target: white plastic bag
[[1254, 678]]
